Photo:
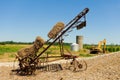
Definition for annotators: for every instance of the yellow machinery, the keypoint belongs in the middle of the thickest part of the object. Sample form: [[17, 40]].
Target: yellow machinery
[[100, 48]]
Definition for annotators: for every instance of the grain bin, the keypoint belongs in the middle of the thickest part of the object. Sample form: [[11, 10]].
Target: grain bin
[[79, 41], [74, 47]]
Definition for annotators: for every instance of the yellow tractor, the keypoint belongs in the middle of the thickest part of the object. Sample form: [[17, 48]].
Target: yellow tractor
[[101, 48]]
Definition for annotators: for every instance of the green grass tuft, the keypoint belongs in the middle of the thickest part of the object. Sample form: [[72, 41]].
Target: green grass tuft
[[85, 55]]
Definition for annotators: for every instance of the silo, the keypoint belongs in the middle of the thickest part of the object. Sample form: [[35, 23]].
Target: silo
[[79, 40], [74, 47]]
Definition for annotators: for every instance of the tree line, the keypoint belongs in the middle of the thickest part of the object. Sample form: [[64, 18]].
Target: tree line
[[13, 42]]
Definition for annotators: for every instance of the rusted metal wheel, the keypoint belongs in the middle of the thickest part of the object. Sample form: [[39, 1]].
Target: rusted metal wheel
[[76, 65], [82, 65]]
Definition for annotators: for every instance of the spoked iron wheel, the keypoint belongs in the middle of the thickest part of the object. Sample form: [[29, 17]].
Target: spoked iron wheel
[[76, 65]]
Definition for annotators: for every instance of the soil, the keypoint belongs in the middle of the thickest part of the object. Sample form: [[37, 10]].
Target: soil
[[101, 67]]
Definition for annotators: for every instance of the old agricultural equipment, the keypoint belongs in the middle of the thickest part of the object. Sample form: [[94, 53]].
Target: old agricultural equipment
[[29, 60]]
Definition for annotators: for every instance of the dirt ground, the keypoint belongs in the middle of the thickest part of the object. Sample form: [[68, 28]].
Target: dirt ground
[[101, 67]]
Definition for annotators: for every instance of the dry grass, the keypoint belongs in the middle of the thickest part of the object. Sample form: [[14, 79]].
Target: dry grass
[[7, 57], [55, 30], [32, 49]]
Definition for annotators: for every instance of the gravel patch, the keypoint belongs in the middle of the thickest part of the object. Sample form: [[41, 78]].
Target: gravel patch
[[101, 67]]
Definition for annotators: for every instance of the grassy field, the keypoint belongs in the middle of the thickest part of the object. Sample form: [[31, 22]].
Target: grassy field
[[8, 51]]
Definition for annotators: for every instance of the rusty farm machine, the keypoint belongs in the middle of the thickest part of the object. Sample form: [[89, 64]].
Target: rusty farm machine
[[29, 61]]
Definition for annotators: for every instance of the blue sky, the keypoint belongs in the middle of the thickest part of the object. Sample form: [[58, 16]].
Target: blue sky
[[23, 20]]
